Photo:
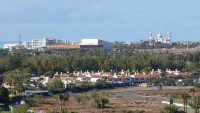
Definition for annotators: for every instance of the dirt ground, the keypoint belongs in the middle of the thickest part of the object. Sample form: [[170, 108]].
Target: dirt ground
[[121, 99]]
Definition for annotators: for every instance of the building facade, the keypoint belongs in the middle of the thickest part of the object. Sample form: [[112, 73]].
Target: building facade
[[59, 44], [97, 42], [43, 43]]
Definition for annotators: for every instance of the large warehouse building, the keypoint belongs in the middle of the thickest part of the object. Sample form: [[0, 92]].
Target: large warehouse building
[[97, 42]]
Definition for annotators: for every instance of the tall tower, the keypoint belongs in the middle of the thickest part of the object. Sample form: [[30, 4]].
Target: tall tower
[[159, 38], [150, 37], [168, 38]]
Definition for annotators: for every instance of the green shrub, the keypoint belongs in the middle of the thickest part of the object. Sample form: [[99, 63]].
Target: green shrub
[[21, 108], [39, 99]]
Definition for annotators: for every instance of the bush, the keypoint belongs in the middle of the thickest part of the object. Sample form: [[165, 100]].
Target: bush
[[175, 95], [21, 108], [78, 99], [31, 102], [39, 99]]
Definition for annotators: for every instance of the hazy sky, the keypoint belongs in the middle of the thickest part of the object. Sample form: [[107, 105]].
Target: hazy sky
[[110, 20]]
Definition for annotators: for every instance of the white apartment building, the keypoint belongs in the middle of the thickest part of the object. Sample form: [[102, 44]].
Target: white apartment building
[[43, 43], [35, 43]]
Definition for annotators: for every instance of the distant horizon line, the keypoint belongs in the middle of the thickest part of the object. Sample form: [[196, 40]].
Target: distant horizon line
[[96, 38]]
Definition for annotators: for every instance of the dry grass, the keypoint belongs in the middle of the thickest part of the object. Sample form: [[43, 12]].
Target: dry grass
[[83, 103]]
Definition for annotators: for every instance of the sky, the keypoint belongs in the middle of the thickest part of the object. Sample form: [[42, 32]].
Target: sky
[[110, 20]]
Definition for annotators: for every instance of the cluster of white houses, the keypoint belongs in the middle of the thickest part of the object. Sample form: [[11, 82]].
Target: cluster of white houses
[[122, 77], [93, 77]]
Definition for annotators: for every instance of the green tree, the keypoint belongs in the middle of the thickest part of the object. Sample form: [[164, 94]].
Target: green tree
[[61, 99], [197, 87], [102, 81], [49, 74], [101, 102], [195, 104], [56, 84], [157, 82], [185, 97], [16, 79]]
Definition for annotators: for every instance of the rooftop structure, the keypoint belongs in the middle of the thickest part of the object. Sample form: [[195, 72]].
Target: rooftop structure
[[64, 46]]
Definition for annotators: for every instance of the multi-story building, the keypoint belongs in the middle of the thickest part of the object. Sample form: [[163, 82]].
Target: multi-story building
[[43, 43], [35, 44], [56, 41]]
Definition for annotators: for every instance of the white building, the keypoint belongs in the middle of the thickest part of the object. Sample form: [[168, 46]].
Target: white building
[[159, 38], [150, 36], [168, 38], [35, 44], [97, 42], [43, 43], [151, 39], [11, 46]]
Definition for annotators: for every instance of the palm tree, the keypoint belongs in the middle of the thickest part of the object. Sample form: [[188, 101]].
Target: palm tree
[[185, 97], [101, 102], [195, 104], [170, 109], [61, 99]]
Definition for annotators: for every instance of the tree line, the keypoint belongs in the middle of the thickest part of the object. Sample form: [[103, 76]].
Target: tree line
[[95, 60]]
